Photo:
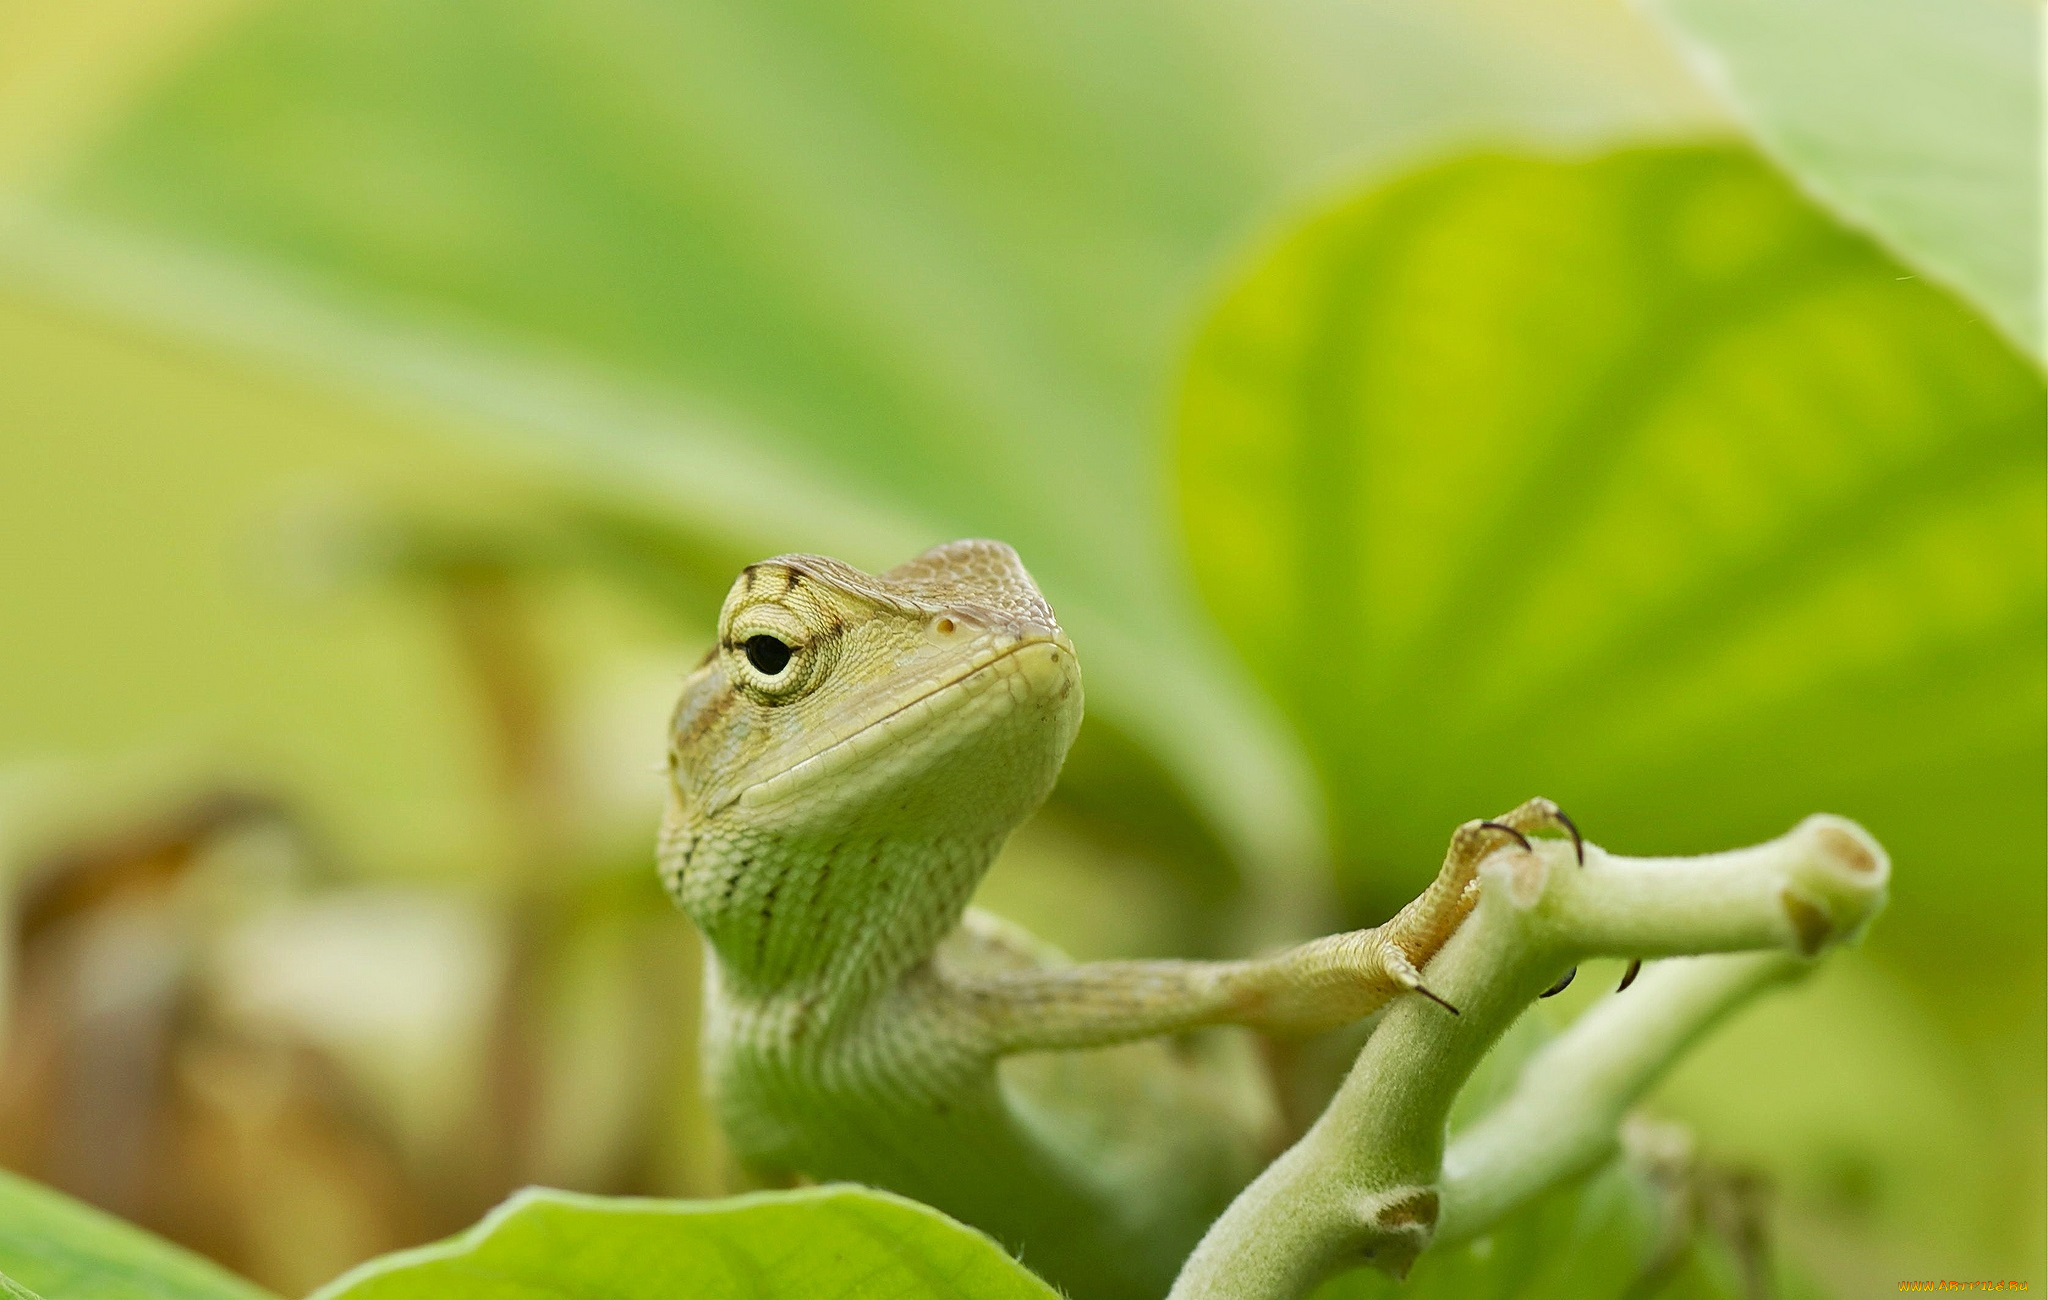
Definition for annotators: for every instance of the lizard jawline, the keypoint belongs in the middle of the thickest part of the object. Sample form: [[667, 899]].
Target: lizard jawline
[[811, 767]]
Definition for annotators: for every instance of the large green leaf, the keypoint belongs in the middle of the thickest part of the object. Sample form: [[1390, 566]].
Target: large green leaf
[[803, 276], [1640, 483], [825, 1243], [61, 1248], [1917, 119]]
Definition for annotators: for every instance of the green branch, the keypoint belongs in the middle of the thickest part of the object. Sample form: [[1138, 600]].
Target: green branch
[[1370, 1181]]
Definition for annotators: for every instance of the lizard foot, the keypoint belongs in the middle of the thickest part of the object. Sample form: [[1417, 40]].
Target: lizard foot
[[1541, 814], [1328, 981], [1422, 927], [1537, 813]]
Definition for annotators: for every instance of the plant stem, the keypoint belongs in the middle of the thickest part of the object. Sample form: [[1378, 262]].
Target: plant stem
[[1564, 1116], [1367, 1182]]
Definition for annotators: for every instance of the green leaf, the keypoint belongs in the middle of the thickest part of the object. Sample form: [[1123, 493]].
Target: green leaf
[[803, 277], [1639, 483], [1916, 119], [823, 1243], [15, 1290], [63, 1249]]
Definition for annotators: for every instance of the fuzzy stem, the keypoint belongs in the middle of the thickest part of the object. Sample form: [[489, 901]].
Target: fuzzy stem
[[1366, 1183], [1563, 1118]]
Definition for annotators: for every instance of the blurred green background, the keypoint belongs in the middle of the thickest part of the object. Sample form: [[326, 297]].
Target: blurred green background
[[1409, 407]]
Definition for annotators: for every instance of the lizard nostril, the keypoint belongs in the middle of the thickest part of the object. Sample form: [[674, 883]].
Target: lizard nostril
[[945, 626]]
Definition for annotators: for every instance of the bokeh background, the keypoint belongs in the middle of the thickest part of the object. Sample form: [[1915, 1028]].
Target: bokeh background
[[1409, 406]]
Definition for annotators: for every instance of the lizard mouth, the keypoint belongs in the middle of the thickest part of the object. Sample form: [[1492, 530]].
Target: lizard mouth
[[911, 713]]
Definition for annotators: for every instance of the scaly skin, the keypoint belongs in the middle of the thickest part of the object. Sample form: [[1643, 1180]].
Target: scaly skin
[[837, 790]]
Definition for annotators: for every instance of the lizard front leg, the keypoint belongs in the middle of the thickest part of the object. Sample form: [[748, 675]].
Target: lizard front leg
[[1315, 986]]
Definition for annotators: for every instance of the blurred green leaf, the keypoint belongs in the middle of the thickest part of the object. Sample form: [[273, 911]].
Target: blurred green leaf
[[1639, 483], [1917, 119], [64, 1248], [1853, 1092], [798, 276], [15, 1290], [825, 1243]]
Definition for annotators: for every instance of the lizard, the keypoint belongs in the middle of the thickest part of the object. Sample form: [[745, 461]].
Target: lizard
[[843, 767]]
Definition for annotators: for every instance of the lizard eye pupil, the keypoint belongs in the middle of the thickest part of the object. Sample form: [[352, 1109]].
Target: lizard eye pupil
[[768, 655]]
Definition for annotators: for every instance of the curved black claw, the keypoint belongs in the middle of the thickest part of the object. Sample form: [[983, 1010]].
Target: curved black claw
[[1562, 984], [1578, 841], [1520, 838], [1434, 998], [1628, 976]]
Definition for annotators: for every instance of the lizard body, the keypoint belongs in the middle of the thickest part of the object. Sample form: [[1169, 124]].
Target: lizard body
[[844, 766]]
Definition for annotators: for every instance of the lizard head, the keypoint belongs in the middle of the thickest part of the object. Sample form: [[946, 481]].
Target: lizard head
[[934, 701]]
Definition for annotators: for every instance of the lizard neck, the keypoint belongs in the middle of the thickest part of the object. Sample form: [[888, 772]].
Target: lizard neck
[[834, 920]]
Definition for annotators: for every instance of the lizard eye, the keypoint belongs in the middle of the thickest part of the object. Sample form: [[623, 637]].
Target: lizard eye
[[776, 657], [769, 655]]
